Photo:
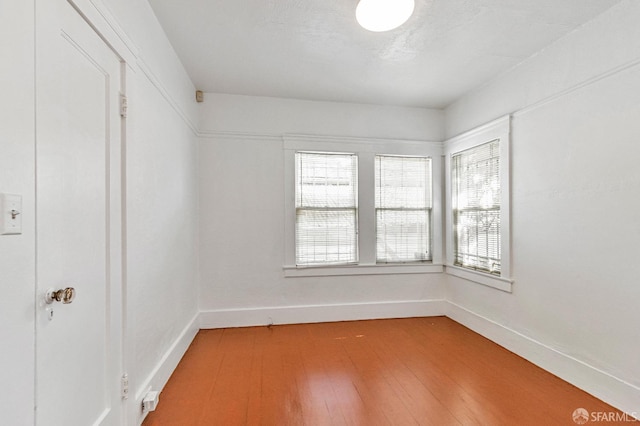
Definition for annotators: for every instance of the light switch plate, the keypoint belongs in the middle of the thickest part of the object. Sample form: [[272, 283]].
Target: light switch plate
[[10, 214]]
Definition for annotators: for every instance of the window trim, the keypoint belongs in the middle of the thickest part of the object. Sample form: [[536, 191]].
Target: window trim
[[497, 129], [348, 270], [365, 149]]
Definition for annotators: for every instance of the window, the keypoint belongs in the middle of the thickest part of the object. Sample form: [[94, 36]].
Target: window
[[475, 198], [357, 206], [326, 208], [403, 208], [478, 206]]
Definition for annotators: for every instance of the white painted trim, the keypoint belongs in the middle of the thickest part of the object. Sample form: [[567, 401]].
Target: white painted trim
[[486, 132], [458, 142], [437, 209], [104, 23], [366, 223], [307, 137], [496, 129], [289, 217], [155, 81], [168, 363], [576, 87], [365, 148], [247, 317], [500, 283], [211, 135], [354, 144], [302, 142], [379, 269], [108, 27], [613, 390]]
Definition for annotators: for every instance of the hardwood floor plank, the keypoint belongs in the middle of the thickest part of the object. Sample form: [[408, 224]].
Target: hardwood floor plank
[[369, 352], [394, 350], [495, 375], [315, 387], [432, 376], [227, 401], [415, 371], [352, 396]]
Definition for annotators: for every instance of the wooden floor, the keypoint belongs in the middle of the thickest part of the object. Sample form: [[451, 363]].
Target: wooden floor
[[417, 371]]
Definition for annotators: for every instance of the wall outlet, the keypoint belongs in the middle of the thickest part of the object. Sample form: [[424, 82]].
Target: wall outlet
[[10, 214], [150, 401]]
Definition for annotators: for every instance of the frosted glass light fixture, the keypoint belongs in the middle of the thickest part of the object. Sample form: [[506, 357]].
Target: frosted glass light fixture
[[383, 15]]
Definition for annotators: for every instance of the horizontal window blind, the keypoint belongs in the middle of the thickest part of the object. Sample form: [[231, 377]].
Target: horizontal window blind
[[403, 208], [476, 207], [326, 208]]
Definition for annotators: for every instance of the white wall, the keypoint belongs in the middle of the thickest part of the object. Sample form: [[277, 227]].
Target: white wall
[[574, 231], [162, 213], [599, 47], [275, 116], [575, 185], [242, 214], [161, 201], [17, 252], [161, 187]]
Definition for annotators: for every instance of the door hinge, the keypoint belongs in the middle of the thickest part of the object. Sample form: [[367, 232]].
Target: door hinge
[[124, 381], [123, 106]]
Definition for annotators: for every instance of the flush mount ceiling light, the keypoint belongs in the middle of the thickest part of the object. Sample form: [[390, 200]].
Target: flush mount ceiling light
[[383, 15]]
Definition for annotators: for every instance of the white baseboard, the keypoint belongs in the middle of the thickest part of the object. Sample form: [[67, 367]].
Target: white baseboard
[[223, 318], [602, 385], [163, 370]]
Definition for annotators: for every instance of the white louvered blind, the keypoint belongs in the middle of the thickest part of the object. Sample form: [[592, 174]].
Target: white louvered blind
[[403, 208], [476, 207], [326, 208]]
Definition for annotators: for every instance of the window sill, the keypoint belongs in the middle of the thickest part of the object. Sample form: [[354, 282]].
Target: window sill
[[500, 283], [327, 271]]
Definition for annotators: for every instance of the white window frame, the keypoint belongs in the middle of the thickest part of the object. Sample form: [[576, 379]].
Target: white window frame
[[498, 129], [366, 150]]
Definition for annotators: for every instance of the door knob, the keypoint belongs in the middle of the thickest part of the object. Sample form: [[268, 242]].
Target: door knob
[[64, 295]]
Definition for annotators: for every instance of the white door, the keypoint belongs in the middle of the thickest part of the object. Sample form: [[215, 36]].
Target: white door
[[79, 211]]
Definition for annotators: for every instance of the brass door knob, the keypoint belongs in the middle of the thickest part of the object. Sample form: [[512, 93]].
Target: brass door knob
[[64, 295]]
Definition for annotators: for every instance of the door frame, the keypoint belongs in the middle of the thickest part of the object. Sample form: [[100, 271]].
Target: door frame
[[104, 24], [107, 27]]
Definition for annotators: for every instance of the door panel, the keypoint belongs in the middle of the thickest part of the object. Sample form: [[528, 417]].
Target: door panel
[[78, 346]]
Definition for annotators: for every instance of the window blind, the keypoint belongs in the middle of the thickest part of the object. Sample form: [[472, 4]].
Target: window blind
[[403, 208], [476, 207], [326, 208]]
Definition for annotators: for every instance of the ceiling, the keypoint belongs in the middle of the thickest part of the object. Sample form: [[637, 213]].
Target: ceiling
[[314, 49]]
